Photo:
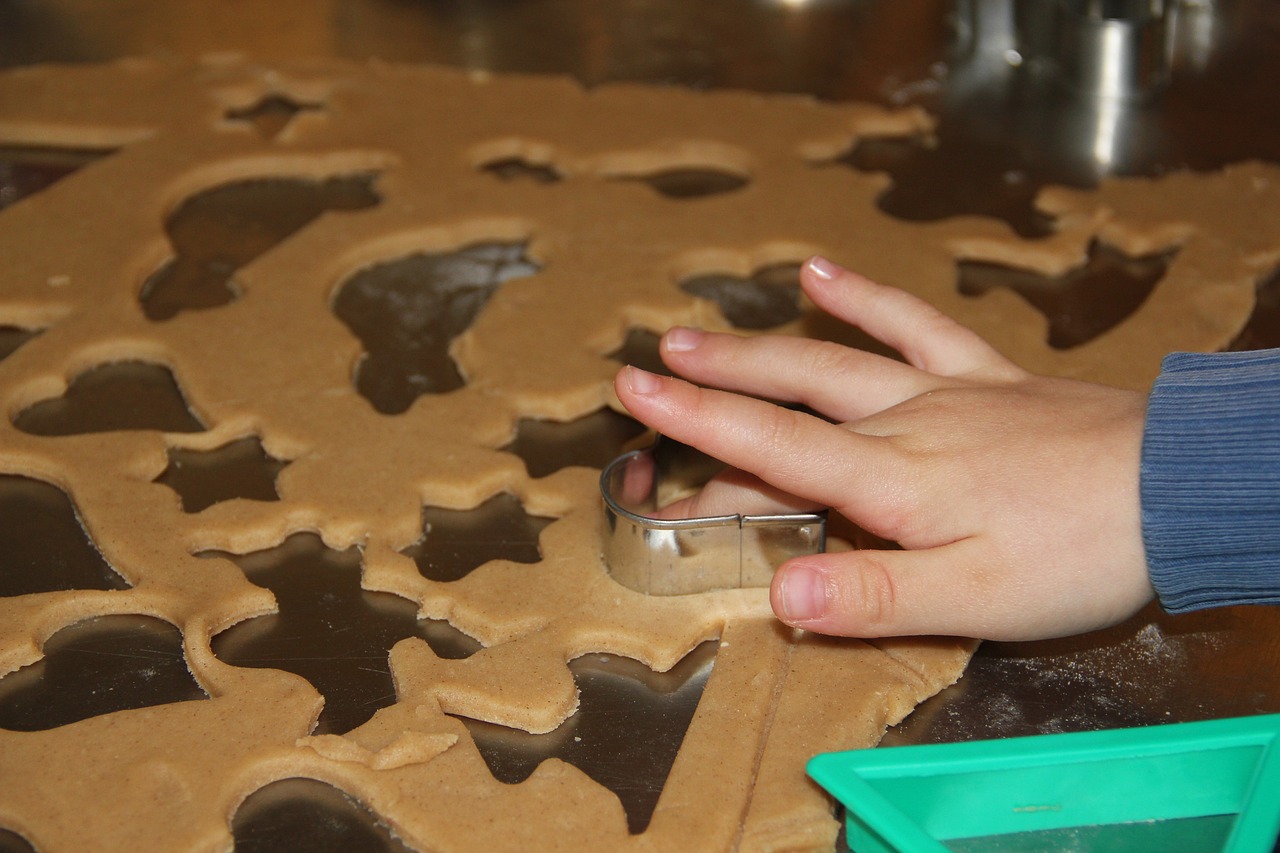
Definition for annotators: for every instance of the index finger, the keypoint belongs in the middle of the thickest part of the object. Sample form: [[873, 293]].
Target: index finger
[[798, 453]]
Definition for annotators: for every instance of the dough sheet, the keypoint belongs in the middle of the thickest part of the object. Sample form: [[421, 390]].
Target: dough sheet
[[277, 364]]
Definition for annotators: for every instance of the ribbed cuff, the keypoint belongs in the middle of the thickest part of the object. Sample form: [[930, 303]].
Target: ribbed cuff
[[1211, 480]]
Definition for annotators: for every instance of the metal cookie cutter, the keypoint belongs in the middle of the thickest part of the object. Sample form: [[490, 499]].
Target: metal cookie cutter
[[675, 557]]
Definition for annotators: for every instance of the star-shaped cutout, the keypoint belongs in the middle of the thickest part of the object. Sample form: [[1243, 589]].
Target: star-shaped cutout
[[241, 469], [456, 542]]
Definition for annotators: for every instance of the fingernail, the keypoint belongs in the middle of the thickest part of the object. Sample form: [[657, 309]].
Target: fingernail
[[641, 381], [681, 339], [824, 268], [804, 594]]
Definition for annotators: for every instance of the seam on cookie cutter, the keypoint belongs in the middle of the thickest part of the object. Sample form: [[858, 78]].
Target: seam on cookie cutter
[[660, 556]]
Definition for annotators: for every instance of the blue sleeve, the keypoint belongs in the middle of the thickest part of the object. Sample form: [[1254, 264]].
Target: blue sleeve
[[1211, 480]]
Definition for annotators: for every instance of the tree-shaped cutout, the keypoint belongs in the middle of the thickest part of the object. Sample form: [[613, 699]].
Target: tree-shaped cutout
[[456, 542], [271, 115], [1083, 303], [98, 666], [11, 337], [769, 298], [406, 313], [692, 182], [1263, 329], [306, 814], [591, 441], [328, 630], [955, 175], [218, 231], [25, 171], [122, 395], [520, 169], [43, 546], [241, 469], [625, 734]]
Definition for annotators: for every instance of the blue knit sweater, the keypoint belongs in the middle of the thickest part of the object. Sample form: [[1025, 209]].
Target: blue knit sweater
[[1211, 480]]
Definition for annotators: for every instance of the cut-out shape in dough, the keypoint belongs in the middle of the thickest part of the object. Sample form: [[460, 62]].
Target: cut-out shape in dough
[[43, 546], [98, 666], [628, 727], [217, 231], [934, 181], [456, 542], [691, 182], [122, 395], [592, 441], [1263, 329], [241, 469], [520, 169], [271, 114], [306, 814], [11, 338], [1084, 302], [328, 630], [25, 171], [12, 842], [769, 298], [406, 313], [641, 349]]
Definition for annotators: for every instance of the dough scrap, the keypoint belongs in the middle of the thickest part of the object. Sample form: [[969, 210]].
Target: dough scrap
[[276, 363]]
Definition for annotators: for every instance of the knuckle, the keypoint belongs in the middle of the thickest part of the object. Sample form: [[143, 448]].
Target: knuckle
[[828, 358], [894, 521], [931, 323], [701, 404], [900, 488], [778, 430], [868, 596]]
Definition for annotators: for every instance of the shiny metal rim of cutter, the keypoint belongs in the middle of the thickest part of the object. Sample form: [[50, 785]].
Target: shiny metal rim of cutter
[[660, 556]]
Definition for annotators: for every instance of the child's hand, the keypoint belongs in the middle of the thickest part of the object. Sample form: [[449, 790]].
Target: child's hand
[[1014, 497]]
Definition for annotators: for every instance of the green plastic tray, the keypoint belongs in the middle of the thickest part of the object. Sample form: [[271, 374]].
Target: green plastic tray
[[912, 799]]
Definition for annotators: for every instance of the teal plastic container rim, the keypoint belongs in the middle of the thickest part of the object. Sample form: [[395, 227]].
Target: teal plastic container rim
[[908, 799]]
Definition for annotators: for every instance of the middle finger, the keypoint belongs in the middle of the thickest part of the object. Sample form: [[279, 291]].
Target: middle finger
[[842, 383]]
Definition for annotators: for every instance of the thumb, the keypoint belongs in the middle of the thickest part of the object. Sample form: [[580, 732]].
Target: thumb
[[879, 593]]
